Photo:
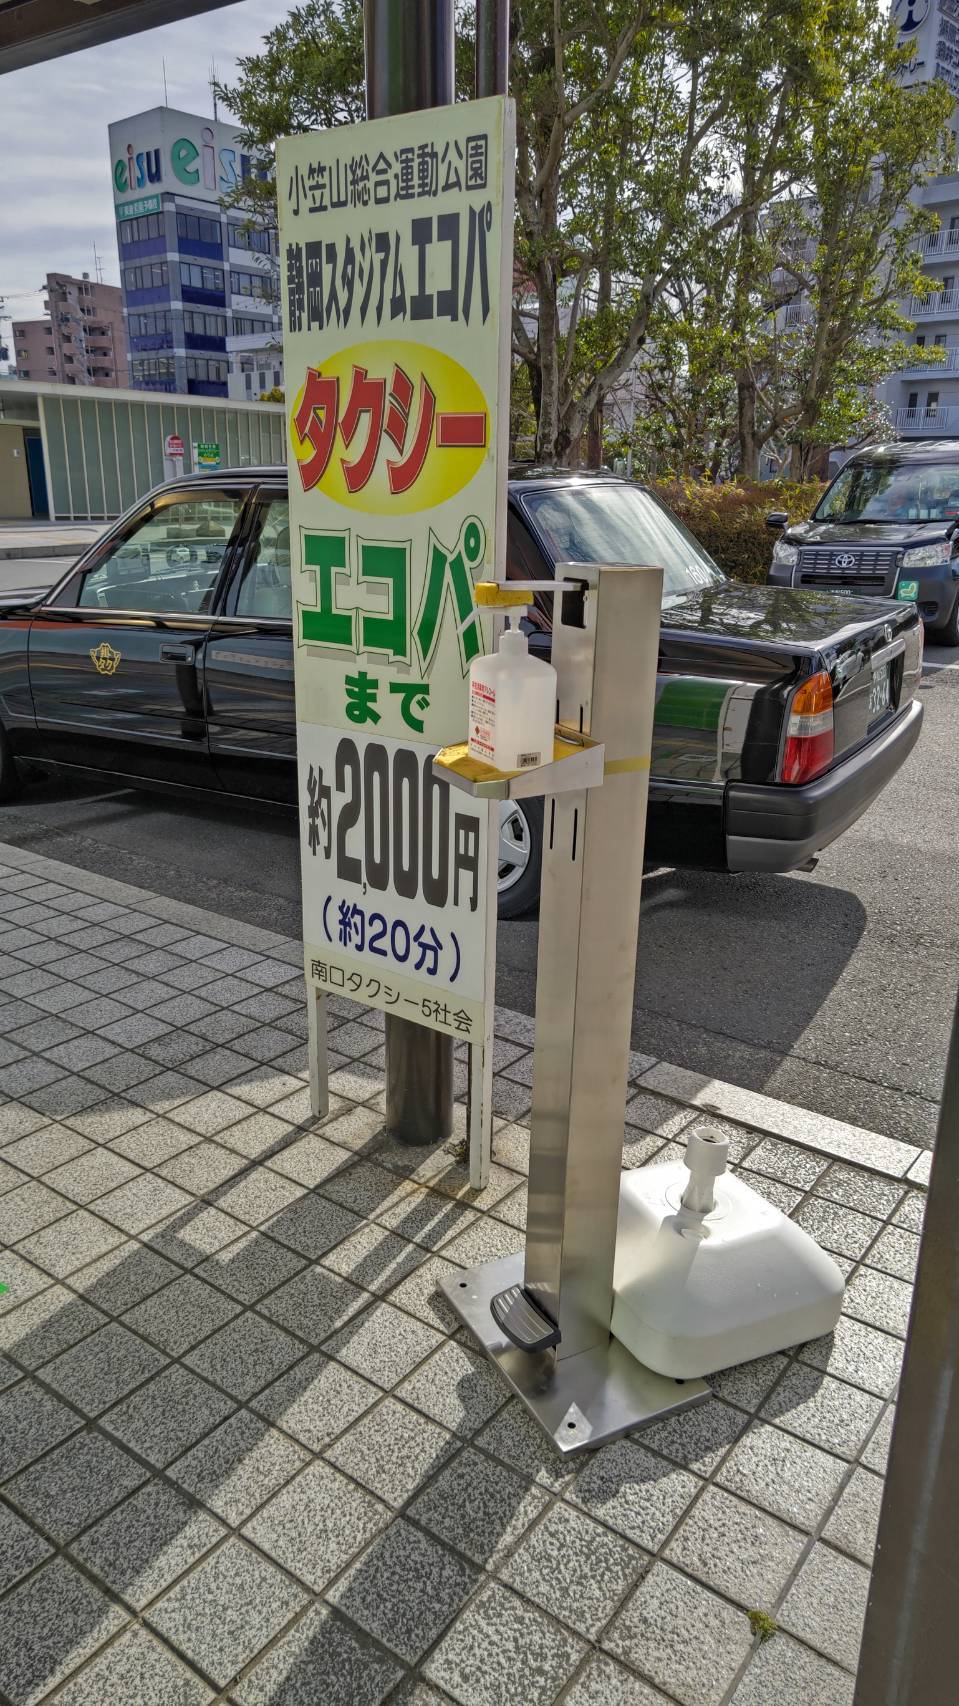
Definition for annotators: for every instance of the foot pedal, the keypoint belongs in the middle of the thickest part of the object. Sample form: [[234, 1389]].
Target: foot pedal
[[523, 1321]]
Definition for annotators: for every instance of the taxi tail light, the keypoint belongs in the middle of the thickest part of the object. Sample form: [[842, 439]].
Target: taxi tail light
[[810, 743]]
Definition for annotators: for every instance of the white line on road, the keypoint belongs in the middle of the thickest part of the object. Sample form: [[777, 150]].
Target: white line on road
[[940, 666]]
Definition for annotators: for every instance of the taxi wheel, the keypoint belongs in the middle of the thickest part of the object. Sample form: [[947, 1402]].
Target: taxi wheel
[[9, 779], [520, 857], [948, 634]]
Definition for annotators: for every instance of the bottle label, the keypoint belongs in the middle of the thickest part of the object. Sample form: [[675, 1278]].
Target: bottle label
[[482, 720]]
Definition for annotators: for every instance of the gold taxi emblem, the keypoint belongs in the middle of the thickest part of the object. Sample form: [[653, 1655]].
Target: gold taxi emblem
[[105, 659]]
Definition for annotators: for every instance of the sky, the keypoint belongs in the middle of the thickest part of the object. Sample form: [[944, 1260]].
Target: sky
[[58, 200]]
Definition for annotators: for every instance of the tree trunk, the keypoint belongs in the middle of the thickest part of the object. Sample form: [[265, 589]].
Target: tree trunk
[[745, 279], [594, 431], [547, 424], [594, 438], [746, 426]]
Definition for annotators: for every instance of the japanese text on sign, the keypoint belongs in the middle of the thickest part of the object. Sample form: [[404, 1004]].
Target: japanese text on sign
[[395, 252], [394, 867]]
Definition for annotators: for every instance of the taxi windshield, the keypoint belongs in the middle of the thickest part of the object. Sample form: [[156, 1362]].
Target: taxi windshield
[[607, 523], [893, 491]]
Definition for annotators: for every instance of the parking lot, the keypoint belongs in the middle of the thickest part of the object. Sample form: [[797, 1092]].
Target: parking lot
[[833, 989]]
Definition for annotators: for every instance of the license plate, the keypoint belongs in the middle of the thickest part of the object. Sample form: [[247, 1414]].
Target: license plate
[[879, 699]]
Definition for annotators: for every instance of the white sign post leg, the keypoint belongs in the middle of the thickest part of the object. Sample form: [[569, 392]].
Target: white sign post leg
[[319, 1066]]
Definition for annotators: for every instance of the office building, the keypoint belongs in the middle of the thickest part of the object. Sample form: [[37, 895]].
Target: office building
[[200, 282], [80, 340]]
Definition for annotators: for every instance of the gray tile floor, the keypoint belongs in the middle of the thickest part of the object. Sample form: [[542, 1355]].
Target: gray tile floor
[[246, 1456]]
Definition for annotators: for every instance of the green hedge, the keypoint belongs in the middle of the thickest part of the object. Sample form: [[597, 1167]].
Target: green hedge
[[729, 520]]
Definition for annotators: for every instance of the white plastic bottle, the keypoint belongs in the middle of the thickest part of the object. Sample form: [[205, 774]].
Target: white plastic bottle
[[512, 706]]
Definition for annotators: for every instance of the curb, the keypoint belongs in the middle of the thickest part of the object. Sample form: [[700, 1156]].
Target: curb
[[25, 552], [767, 1115]]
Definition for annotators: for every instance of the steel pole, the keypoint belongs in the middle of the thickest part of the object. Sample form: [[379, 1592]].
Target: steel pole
[[409, 65], [910, 1648], [409, 55], [492, 47]]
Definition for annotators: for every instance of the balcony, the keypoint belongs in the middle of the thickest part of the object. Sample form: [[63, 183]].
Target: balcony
[[923, 362], [939, 245], [798, 314], [934, 422], [944, 303]]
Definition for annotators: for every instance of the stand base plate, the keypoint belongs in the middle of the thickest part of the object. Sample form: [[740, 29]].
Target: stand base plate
[[580, 1401]]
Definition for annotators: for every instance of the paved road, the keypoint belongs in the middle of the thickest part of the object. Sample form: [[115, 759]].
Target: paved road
[[31, 572], [833, 989]]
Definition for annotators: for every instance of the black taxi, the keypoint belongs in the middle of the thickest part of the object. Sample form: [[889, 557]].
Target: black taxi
[[164, 658]]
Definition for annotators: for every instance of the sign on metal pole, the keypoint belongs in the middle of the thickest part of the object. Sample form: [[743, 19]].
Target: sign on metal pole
[[173, 452], [396, 256]]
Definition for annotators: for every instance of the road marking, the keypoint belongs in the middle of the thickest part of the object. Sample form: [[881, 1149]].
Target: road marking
[[927, 665]]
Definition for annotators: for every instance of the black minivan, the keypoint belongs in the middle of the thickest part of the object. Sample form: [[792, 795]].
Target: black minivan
[[888, 527]]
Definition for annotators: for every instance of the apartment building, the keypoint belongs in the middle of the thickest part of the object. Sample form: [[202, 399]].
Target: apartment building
[[924, 395], [80, 340]]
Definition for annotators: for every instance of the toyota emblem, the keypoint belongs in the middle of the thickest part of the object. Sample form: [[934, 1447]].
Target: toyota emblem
[[844, 560], [887, 634]]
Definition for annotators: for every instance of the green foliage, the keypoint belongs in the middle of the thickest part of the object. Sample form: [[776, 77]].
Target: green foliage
[[730, 520], [309, 75], [682, 172], [522, 415]]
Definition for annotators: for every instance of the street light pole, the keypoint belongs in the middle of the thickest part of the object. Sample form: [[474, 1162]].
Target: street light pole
[[910, 1646], [409, 65]]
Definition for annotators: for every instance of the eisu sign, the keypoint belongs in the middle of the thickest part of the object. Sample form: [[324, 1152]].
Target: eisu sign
[[176, 151], [218, 168]]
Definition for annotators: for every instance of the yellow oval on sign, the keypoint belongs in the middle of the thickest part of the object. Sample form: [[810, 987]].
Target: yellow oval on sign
[[389, 428]]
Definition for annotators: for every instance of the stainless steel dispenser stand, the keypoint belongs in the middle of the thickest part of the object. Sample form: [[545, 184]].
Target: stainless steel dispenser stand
[[543, 1315]]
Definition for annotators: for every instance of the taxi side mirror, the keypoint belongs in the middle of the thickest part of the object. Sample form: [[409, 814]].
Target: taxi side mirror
[[776, 519]]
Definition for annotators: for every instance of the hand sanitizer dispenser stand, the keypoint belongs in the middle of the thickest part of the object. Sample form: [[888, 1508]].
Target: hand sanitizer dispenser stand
[[545, 1315]]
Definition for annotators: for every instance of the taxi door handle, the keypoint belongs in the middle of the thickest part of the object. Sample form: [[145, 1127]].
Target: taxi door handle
[[178, 654]]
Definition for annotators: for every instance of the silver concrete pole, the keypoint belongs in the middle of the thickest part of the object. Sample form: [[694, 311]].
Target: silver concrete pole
[[910, 1647], [589, 921], [409, 65]]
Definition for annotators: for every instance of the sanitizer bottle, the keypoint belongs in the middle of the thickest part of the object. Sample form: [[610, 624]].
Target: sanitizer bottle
[[512, 705]]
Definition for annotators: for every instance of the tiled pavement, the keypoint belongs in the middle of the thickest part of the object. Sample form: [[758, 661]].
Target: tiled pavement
[[244, 1453]]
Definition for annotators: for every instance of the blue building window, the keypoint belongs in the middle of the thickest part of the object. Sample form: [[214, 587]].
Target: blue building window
[[148, 227], [150, 329], [191, 228], [149, 275], [204, 330], [153, 372], [197, 277]]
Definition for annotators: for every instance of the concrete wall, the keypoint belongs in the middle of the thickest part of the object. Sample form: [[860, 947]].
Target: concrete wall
[[14, 482]]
